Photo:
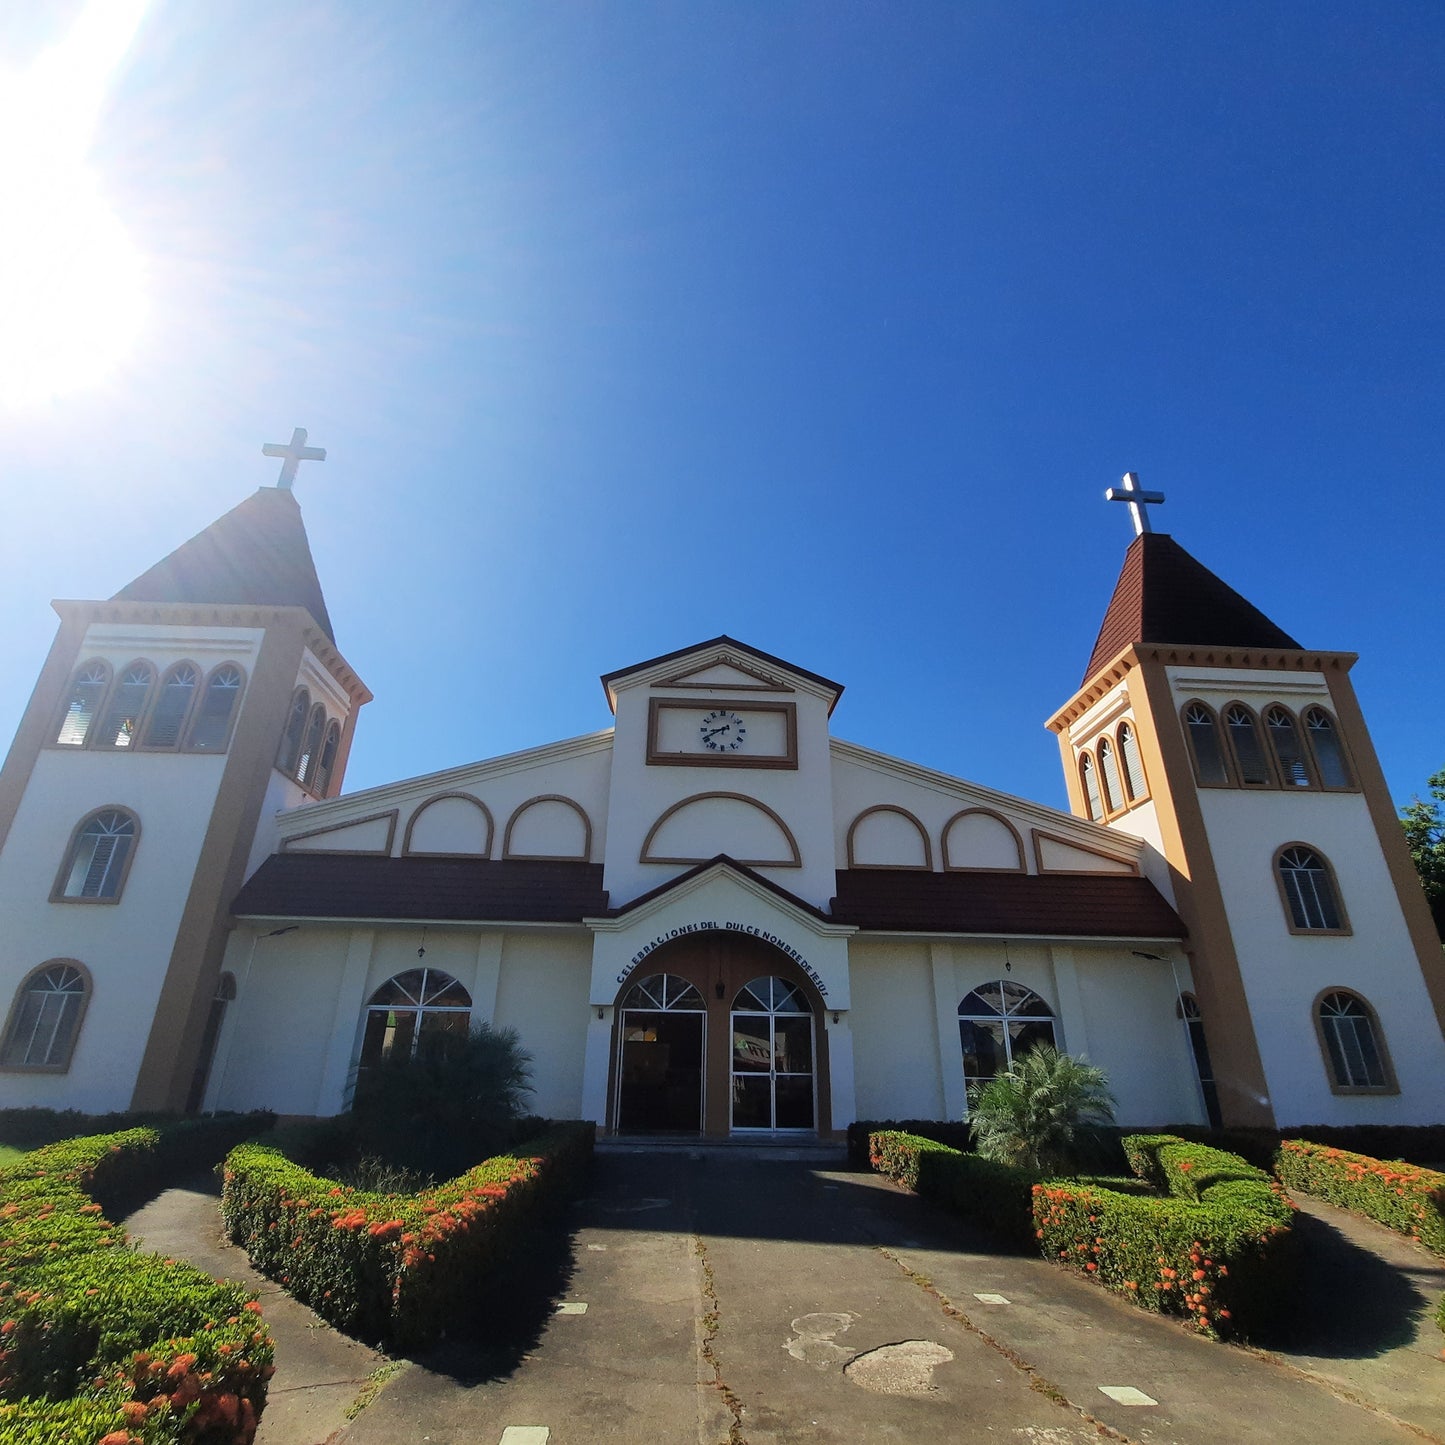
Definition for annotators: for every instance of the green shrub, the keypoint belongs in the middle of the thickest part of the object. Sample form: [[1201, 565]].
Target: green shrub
[[997, 1197], [1031, 1115], [398, 1267], [942, 1131], [98, 1342], [1403, 1197]]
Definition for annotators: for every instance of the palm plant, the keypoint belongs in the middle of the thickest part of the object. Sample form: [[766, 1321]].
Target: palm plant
[[1035, 1114]]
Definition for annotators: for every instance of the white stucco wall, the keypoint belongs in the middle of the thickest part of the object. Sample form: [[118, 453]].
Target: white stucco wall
[[542, 993], [895, 1036]]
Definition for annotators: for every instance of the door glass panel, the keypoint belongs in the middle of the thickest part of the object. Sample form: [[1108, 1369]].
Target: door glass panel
[[752, 1044], [660, 1090], [793, 1045], [752, 1096], [795, 1101]]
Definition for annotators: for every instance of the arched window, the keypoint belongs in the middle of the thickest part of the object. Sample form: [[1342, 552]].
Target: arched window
[[290, 752], [310, 759], [664, 991], [178, 689], [45, 1018], [999, 1023], [1308, 885], [1328, 749], [1089, 778], [1134, 779], [1109, 777], [1188, 1010], [327, 765], [211, 728], [415, 1010], [121, 724], [1287, 746], [1210, 769], [98, 857], [1353, 1044], [1248, 746], [87, 691], [225, 995]]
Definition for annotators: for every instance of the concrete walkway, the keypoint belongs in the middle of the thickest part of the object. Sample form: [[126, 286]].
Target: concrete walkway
[[733, 1299]]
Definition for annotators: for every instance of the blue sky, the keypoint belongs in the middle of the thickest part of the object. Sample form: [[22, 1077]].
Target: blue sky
[[822, 325]]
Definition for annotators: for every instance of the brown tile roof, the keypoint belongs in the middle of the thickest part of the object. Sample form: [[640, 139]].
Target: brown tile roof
[[1165, 595], [1062, 905], [663, 888], [257, 555], [469, 890]]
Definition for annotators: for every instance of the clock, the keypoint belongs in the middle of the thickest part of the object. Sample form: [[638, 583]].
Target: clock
[[722, 731]]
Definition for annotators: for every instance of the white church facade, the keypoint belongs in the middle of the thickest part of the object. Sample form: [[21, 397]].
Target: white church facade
[[714, 917]]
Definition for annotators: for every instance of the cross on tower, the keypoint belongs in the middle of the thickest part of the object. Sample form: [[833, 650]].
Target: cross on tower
[[294, 454], [1137, 499]]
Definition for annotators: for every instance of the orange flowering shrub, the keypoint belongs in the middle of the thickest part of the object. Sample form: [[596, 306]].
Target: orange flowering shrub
[[98, 1343], [1219, 1251], [1403, 1197], [394, 1267]]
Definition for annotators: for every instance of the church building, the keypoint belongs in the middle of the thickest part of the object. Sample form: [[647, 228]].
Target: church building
[[715, 917]]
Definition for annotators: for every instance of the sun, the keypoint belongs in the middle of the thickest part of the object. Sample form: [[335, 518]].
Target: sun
[[72, 282]]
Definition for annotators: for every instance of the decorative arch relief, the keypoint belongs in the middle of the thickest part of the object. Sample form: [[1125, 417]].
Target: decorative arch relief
[[1053, 854], [450, 825], [549, 826], [887, 836], [372, 835], [979, 838], [702, 826]]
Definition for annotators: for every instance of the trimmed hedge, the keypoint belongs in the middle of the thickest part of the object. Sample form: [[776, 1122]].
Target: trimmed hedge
[[1219, 1251], [99, 1343], [1402, 1197], [942, 1131], [394, 1267], [997, 1197]]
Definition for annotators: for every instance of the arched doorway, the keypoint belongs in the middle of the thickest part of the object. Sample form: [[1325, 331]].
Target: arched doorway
[[719, 1033]]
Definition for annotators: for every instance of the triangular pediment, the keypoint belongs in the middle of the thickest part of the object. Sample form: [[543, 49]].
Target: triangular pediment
[[722, 662], [729, 673]]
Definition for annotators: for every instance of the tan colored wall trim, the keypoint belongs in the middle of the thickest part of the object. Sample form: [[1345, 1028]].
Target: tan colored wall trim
[[951, 867], [657, 705], [389, 815], [1040, 836], [927, 864], [407, 851], [1360, 750], [761, 681], [585, 856], [184, 1003], [57, 894], [797, 858], [1344, 931], [64, 1066], [1391, 1084]]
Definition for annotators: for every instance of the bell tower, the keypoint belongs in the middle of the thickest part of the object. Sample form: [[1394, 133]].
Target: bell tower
[[168, 726], [1242, 757]]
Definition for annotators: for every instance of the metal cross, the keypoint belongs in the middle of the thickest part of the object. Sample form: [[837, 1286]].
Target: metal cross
[[1136, 497], [294, 454]]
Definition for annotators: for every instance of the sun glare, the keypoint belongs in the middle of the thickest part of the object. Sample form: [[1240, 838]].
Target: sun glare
[[72, 283]]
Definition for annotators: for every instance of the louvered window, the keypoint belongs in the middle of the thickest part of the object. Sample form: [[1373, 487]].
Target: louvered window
[[1090, 781], [1288, 747], [1248, 747], [1109, 777], [95, 868], [45, 1019], [1352, 1046], [1309, 890], [308, 764], [178, 687], [327, 764], [1209, 765], [1133, 764], [87, 692], [1328, 750], [212, 725], [121, 726], [290, 752]]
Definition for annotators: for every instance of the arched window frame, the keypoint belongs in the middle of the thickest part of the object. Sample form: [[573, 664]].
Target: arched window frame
[[68, 858], [1227, 731], [1107, 758], [1011, 1013], [1126, 739], [1221, 747], [148, 741], [198, 711], [1336, 897], [330, 746], [1282, 765], [61, 1049], [1389, 1084], [308, 760], [288, 755], [96, 673], [107, 729], [430, 988], [1332, 725], [1089, 782]]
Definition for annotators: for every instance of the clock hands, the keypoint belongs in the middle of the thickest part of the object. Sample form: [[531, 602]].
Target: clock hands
[[707, 737]]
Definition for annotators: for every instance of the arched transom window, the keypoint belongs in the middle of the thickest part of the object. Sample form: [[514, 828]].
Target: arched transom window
[[87, 692], [1328, 750], [211, 728], [45, 1018], [998, 1023], [1353, 1046], [1308, 886], [121, 725], [173, 706], [664, 991], [417, 1009], [95, 866], [1203, 734], [770, 995]]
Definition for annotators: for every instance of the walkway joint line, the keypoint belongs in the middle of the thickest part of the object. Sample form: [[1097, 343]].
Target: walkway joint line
[[710, 1319]]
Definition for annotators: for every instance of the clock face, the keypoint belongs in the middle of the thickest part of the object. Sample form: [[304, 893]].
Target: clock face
[[723, 731]]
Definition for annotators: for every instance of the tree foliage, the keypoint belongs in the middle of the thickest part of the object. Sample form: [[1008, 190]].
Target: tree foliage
[[1424, 827], [1035, 1114]]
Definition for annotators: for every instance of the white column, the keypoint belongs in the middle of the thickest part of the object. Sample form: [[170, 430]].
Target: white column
[[1075, 1032], [945, 1007], [487, 976], [842, 1087], [350, 997]]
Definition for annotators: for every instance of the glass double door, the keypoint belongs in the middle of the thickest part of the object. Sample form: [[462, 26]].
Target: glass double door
[[772, 1071]]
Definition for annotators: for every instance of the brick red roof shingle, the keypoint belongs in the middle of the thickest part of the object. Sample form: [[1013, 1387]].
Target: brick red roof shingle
[[1165, 595], [257, 555], [1051, 905], [467, 890]]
